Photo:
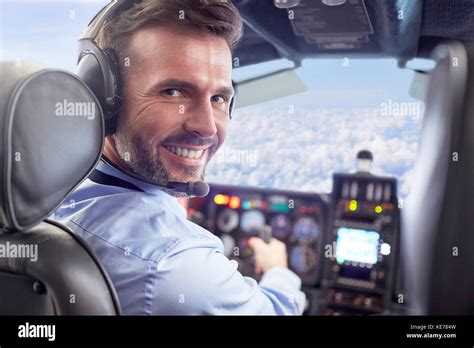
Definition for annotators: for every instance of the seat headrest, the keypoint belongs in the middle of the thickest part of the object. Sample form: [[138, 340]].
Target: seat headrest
[[52, 139]]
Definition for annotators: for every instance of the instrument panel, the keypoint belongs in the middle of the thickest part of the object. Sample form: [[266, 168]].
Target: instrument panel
[[363, 229], [343, 246], [235, 214]]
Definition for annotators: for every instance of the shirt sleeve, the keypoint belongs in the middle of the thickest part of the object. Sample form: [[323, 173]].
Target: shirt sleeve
[[203, 281]]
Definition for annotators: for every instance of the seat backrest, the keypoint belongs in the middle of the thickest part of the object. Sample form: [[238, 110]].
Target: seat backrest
[[438, 219], [52, 139]]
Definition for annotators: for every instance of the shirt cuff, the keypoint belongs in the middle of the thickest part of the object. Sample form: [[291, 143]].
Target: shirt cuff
[[281, 274]]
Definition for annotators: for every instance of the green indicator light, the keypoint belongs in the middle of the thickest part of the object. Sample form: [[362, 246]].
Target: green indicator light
[[280, 207]]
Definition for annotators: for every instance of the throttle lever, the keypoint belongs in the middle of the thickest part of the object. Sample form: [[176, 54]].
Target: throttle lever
[[266, 234]]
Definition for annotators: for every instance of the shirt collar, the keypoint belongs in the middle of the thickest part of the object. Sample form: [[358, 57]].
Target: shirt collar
[[109, 169]]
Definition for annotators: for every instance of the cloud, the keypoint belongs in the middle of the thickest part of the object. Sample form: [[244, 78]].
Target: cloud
[[300, 151]]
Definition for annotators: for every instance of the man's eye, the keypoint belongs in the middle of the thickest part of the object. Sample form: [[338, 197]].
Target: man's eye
[[219, 99], [171, 92]]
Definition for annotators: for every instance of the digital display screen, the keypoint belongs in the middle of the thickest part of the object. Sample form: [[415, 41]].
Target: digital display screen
[[357, 245]]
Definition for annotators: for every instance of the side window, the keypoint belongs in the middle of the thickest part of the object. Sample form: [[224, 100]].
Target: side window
[[44, 32]]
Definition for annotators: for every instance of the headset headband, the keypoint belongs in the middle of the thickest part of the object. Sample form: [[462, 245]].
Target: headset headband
[[108, 12]]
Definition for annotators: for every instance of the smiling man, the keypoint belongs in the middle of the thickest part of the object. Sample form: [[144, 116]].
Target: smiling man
[[176, 95], [176, 104]]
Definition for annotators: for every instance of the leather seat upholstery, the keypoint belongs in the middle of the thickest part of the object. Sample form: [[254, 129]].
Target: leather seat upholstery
[[52, 139]]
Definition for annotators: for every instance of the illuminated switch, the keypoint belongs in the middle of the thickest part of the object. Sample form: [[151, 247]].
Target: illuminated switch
[[368, 302], [385, 249], [353, 205]]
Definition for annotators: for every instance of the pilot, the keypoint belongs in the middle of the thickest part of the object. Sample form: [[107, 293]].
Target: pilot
[[176, 93]]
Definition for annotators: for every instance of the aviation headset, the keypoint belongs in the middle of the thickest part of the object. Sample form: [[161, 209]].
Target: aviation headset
[[99, 68]]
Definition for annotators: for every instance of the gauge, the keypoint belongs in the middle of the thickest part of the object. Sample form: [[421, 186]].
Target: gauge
[[280, 226], [306, 230], [302, 259], [229, 244], [196, 216], [252, 221], [227, 220]]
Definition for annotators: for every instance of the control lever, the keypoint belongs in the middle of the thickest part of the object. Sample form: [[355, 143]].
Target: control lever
[[266, 234], [247, 252]]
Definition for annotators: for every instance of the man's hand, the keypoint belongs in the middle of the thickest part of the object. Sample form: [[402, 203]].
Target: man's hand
[[268, 256]]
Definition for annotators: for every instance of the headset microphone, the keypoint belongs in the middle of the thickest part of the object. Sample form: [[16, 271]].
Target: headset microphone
[[192, 188]]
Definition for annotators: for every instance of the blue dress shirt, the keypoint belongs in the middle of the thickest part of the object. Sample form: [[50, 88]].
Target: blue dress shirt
[[163, 264]]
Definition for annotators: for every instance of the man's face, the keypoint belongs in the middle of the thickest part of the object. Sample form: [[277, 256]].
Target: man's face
[[176, 101]]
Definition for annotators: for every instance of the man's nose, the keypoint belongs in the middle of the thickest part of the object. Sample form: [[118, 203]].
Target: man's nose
[[201, 119]]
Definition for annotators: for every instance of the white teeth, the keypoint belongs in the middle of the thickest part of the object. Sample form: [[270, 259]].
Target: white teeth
[[182, 151]]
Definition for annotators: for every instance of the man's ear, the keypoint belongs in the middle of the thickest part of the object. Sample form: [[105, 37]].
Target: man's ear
[[110, 148]]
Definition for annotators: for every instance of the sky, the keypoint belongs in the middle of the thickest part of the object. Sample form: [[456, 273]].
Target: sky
[[295, 142], [299, 141]]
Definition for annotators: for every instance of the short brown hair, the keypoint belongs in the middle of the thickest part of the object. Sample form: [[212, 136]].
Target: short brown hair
[[216, 17]]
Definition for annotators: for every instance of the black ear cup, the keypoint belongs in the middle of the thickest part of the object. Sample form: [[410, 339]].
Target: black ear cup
[[115, 102], [113, 66], [98, 69]]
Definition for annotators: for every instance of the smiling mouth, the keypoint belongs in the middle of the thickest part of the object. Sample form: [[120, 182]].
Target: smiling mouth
[[185, 152]]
